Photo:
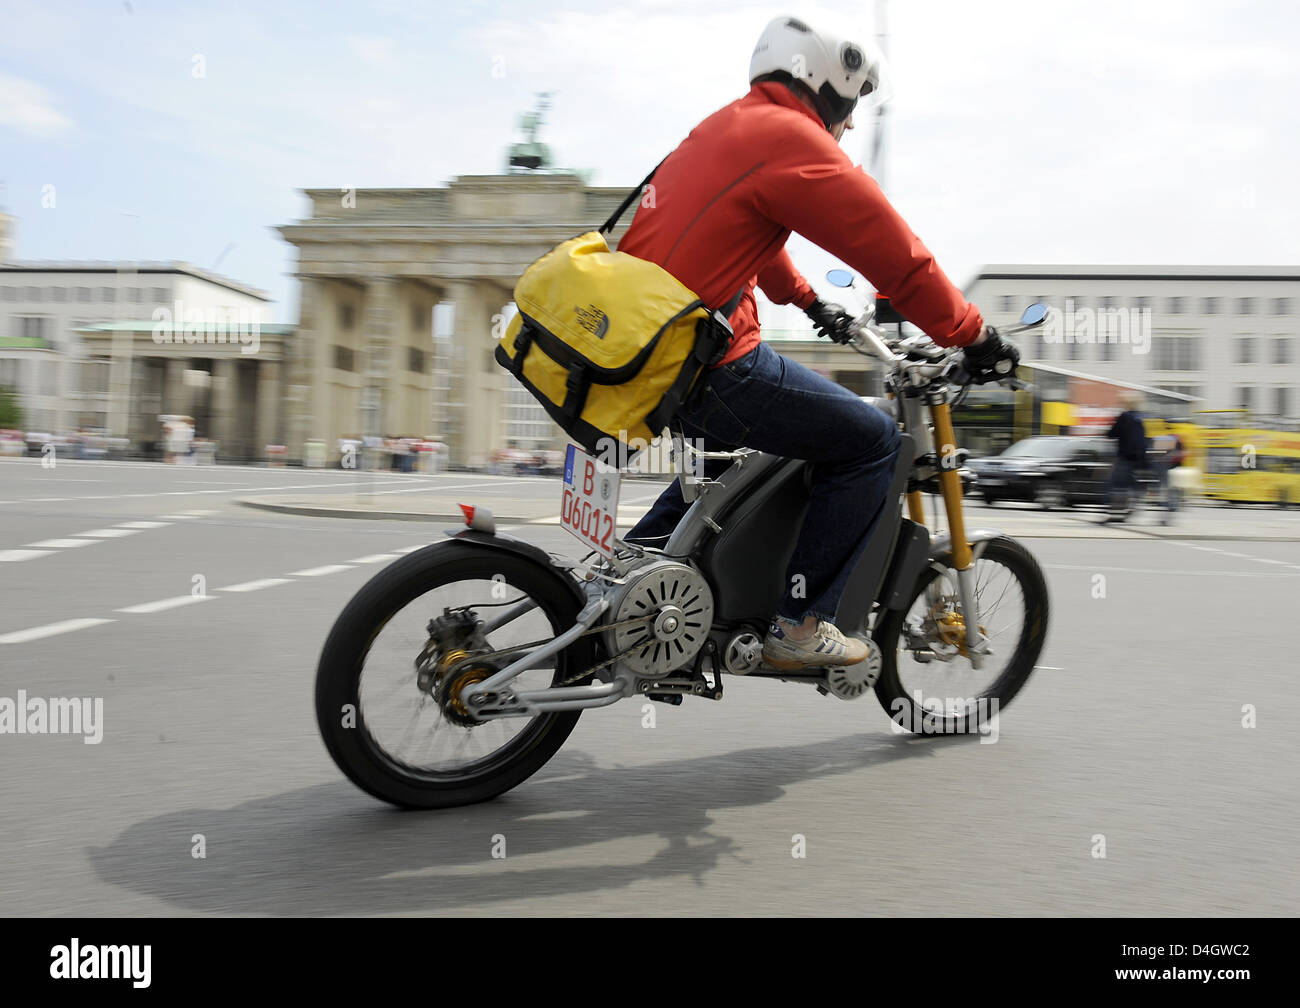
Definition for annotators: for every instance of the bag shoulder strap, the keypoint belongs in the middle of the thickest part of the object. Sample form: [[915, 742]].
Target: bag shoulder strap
[[628, 200]]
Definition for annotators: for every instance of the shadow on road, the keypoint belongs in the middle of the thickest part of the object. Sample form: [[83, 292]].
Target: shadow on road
[[330, 850]]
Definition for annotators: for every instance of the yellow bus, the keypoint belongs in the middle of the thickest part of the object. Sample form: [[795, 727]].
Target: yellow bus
[[1249, 464]]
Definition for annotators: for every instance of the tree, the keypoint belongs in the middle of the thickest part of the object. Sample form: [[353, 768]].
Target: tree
[[11, 411]]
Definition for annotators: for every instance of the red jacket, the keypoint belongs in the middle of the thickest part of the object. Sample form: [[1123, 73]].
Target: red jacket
[[725, 201]]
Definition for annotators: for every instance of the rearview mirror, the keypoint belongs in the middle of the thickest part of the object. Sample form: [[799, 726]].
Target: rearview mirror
[[1034, 315], [840, 278]]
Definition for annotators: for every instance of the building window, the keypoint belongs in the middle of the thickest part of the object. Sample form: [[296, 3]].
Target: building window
[[1176, 353], [1210, 306], [1174, 306], [1246, 350], [1040, 344], [11, 294], [34, 294], [58, 294], [345, 358], [83, 294], [1245, 306], [1107, 350], [1076, 351], [1245, 396], [1075, 303], [159, 295], [1008, 302], [1282, 350], [415, 360], [1142, 302], [1282, 400], [1281, 306], [31, 327], [347, 316], [419, 319], [107, 294], [135, 295], [1108, 302]]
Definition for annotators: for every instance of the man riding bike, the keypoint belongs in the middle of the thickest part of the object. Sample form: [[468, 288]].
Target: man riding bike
[[725, 202]]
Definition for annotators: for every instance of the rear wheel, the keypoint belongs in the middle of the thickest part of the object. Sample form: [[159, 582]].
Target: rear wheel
[[927, 683], [392, 675]]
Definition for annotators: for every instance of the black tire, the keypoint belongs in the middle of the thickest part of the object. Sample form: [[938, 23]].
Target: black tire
[[990, 499], [892, 694], [1051, 496], [338, 679]]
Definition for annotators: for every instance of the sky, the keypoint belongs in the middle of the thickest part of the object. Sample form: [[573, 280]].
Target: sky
[[1019, 132]]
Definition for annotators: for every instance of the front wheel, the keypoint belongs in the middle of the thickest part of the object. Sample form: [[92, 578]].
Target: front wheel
[[392, 673], [927, 683]]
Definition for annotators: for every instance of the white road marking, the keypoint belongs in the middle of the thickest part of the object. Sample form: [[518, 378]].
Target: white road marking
[[60, 543], [144, 524], [164, 604], [374, 558], [261, 583], [197, 514], [50, 629], [109, 533], [1166, 572], [408, 549], [318, 571], [12, 555]]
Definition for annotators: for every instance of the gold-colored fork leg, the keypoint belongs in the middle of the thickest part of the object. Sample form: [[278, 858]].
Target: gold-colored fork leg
[[950, 485], [914, 509]]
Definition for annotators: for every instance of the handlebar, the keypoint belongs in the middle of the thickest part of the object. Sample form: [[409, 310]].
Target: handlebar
[[871, 341]]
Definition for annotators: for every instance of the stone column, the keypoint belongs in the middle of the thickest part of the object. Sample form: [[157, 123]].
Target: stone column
[[119, 384], [225, 405], [304, 369], [379, 352], [175, 393], [475, 375], [268, 407]]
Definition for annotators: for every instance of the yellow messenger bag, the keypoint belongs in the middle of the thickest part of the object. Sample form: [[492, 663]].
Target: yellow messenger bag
[[609, 344]]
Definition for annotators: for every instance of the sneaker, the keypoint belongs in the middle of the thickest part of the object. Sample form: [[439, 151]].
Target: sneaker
[[827, 648]]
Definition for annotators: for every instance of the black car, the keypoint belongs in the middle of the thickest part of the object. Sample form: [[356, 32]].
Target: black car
[[1056, 472]]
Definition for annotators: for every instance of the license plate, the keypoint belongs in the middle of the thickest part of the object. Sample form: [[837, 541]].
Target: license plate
[[589, 503]]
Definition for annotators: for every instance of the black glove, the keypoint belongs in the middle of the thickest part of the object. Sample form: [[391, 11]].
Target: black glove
[[831, 320], [992, 360]]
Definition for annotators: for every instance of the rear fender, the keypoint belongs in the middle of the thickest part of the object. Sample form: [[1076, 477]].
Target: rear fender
[[525, 550]]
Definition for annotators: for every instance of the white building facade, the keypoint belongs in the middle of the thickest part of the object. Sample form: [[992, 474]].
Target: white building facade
[[61, 381], [1229, 335]]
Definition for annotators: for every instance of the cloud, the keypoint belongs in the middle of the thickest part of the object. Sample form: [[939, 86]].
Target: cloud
[[29, 108], [372, 48]]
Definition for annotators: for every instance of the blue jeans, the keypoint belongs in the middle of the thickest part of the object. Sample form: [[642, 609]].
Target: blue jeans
[[771, 403]]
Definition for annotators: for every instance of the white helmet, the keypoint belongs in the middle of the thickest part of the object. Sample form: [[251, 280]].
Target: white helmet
[[836, 70]]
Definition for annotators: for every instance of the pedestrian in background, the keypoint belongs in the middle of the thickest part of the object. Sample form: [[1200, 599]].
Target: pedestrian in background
[[1172, 454], [1130, 457]]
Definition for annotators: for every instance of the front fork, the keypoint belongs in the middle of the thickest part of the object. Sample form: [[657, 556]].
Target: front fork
[[962, 559]]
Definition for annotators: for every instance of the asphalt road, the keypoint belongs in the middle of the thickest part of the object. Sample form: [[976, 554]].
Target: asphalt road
[[1131, 730]]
